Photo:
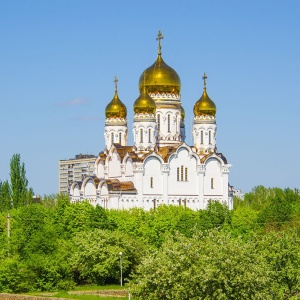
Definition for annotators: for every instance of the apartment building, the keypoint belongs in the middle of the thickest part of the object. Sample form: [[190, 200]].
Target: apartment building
[[74, 169]]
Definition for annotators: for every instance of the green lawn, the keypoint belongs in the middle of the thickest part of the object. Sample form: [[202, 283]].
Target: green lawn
[[70, 295]]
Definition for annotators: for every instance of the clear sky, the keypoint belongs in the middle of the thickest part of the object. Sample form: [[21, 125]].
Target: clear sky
[[58, 59]]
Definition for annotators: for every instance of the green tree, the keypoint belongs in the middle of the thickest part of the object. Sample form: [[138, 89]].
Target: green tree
[[18, 182], [5, 196], [282, 253], [206, 266], [216, 215], [95, 256]]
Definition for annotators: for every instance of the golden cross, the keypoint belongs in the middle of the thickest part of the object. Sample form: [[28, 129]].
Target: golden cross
[[116, 84], [159, 38], [204, 79]]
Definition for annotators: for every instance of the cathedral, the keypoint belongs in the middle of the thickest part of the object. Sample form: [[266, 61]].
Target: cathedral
[[159, 168]]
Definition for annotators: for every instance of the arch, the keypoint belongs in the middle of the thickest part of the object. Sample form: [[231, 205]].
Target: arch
[[89, 188], [99, 166]]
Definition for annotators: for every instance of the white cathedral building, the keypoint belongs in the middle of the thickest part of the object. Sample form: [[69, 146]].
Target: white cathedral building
[[159, 168]]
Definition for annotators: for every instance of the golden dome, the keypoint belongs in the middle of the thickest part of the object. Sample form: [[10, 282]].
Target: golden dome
[[205, 106], [160, 77], [182, 112], [116, 108], [144, 103]]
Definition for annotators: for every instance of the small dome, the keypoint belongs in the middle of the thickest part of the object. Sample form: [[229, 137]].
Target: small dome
[[182, 112], [205, 106], [144, 103], [116, 108]]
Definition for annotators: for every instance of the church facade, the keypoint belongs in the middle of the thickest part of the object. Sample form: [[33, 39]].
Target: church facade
[[159, 168]]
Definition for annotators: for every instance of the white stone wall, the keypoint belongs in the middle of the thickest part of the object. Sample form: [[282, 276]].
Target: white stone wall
[[153, 178], [169, 129], [204, 136], [144, 132], [182, 179], [157, 181], [115, 131]]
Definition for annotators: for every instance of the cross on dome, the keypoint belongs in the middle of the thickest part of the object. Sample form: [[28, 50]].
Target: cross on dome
[[204, 79], [159, 38], [116, 84]]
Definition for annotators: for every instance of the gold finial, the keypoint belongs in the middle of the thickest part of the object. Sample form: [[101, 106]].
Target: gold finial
[[159, 38], [204, 79], [116, 84]]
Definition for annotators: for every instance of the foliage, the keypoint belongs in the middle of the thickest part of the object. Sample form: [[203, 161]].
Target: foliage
[[173, 252], [5, 196], [212, 266], [95, 256], [282, 252], [18, 182]]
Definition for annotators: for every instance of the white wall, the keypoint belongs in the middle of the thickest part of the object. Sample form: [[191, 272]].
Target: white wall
[[152, 169], [114, 165], [182, 187], [213, 171]]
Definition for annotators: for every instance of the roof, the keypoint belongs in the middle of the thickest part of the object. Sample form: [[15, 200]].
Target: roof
[[115, 185]]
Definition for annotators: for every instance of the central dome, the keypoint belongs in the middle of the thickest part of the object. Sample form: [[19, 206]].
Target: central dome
[[160, 78]]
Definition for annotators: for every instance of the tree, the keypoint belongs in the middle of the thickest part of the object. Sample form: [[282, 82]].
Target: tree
[[282, 253], [18, 182], [216, 215], [95, 256], [207, 266], [5, 196]]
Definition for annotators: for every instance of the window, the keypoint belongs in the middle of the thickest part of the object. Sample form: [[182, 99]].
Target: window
[[201, 137], [154, 203], [181, 173], [141, 135], [209, 137], [112, 137], [149, 137], [120, 138], [158, 122], [151, 182], [169, 123], [212, 183]]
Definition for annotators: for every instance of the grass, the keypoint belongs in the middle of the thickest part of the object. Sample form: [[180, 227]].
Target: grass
[[65, 294]]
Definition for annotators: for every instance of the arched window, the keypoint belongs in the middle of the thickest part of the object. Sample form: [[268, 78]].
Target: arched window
[[141, 136], [151, 182], [120, 138], [201, 137], [149, 135], [212, 183], [182, 170], [186, 174], [178, 174], [112, 138], [169, 123], [158, 122], [209, 137]]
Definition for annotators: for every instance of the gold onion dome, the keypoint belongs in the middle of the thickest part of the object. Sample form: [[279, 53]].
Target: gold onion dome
[[144, 103], [160, 77], [116, 108], [205, 106]]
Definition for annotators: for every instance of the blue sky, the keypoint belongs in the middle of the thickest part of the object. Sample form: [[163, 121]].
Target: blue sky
[[58, 59]]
